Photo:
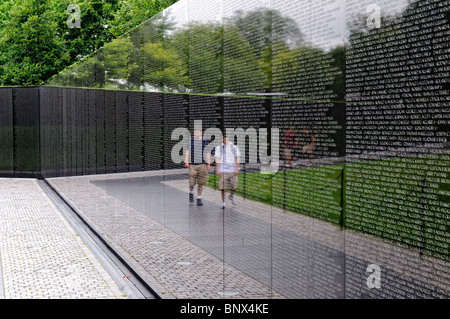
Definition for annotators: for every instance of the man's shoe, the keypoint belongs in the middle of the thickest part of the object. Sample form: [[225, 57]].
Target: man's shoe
[[199, 202], [223, 205], [191, 198], [231, 197]]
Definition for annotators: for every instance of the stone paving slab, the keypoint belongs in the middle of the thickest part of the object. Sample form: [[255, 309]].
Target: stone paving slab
[[41, 255], [155, 250], [407, 262], [173, 265]]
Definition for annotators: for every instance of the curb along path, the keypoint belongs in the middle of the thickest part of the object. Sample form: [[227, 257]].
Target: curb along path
[[41, 256]]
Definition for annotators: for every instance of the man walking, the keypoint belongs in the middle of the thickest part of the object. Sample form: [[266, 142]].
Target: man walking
[[198, 165], [227, 158]]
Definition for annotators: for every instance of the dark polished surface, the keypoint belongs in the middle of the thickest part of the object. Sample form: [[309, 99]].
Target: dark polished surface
[[288, 262]]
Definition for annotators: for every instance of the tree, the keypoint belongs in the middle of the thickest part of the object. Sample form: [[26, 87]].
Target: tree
[[131, 13], [304, 72], [264, 27], [5, 7], [243, 72], [160, 66], [29, 50], [36, 43], [166, 70], [217, 59], [268, 34], [94, 31]]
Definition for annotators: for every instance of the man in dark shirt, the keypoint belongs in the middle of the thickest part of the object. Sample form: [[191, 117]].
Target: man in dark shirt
[[198, 165]]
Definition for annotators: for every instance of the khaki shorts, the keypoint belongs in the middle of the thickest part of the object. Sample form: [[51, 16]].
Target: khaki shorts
[[228, 180], [198, 174]]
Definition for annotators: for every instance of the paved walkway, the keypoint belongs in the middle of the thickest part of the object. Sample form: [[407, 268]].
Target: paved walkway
[[248, 251], [183, 251], [41, 255]]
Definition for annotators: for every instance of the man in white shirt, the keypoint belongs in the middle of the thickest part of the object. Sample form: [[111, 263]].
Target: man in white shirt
[[227, 165]]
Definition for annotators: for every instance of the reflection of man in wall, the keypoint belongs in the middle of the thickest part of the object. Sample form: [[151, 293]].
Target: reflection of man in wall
[[290, 144], [198, 165], [227, 165], [309, 141]]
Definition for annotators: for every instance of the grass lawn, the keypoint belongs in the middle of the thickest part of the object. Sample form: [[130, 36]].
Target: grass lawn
[[314, 191]]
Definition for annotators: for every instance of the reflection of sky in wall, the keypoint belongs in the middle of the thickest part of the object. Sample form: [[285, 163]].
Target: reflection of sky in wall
[[231, 6], [322, 22], [178, 13], [388, 7], [205, 11]]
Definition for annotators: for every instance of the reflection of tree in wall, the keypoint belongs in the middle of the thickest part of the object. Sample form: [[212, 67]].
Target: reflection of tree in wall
[[117, 64], [255, 52], [304, 72], [160, 66], [211, 69], [268, 33], [199, 49], [261, 51], [142, 57], [338, 58]]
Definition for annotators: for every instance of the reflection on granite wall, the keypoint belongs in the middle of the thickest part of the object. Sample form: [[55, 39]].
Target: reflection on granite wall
[[359, 91]]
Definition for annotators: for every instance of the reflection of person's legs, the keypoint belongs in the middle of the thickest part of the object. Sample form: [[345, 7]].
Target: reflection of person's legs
[[233, 181], [192, 182], [307, 150], [288, 155], [202, 179], [294, 155], [311, 153], [222, 188]]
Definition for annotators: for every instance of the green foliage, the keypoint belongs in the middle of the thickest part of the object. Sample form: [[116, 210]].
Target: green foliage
[[27, 45], [199, 48], [265, 29], [36, 43], [304, 71], [117, 64], [261, 51]]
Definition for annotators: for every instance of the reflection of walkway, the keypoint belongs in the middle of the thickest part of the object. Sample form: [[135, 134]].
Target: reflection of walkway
[[248, 244], [299, 236], [41, 256], [266, 251], [171, 264]]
